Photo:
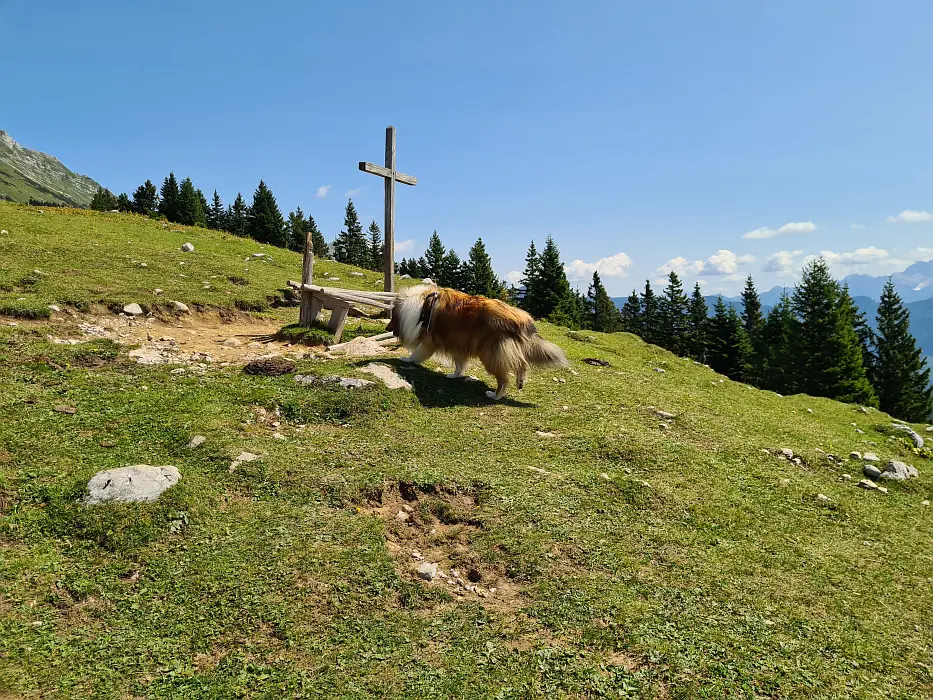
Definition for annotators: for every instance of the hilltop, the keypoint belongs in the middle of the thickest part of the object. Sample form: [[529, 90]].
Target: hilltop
[[26, 174], [624, 530]]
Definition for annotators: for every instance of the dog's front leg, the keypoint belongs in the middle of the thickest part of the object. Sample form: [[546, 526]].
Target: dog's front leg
[[459, 369], [419, 354]]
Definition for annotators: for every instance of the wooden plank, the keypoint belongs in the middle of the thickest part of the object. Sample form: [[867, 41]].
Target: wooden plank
[[314, 310], [304, 314], [307, 263], [388, 265], [374, 169], [338, 318]]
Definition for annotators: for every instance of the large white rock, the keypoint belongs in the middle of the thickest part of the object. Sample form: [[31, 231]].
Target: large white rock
[[188, 248], [133, 310], [140, 483]]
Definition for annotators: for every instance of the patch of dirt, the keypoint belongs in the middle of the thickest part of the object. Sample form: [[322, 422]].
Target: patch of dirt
[[436, 525]]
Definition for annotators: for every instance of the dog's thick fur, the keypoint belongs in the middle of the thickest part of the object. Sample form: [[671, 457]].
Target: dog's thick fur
[[463, 327]]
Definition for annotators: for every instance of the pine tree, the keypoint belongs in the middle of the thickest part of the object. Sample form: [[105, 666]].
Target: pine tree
[[530, 281], [421, 268], [264, 222], [605, 315], [376, 247], [201, 220], [697, 336], [551, 285], [123, 202], [434, 257], [777, 342], [452, 271], [728, 343], [864, 333], [237, 216], [631, 314], [103, 200], [753, 322], [673, 310], [216, 215], [297, 228], [189, 210], [902, 377], [830, 358], [357, 244], [650, 316], [480, 279], [145, 198], [321, 249], [168, 198]]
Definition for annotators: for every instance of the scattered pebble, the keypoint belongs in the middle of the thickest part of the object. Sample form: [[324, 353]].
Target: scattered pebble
[[847, 477], [871, 472], [545, 434], [823, 497], [427, 571], [924, 503], [867, 484], [133, 310], [178, 306], [70, 410], [787, 452], [197, 441], [809, 410], [242, 458], [188, 248], [857, 456], [659, 370], [784, 482], [232, 343], [54, 308], [401, 516], [664, 426], [870, 457], [882, 489]]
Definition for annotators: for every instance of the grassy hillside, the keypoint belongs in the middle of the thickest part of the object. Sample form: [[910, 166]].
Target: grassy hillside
[[628, 559], [26, 174]]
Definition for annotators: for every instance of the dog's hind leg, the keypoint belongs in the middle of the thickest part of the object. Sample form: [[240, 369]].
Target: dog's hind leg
[[460, 369], [520, 378], [503, 384], [421, 353]]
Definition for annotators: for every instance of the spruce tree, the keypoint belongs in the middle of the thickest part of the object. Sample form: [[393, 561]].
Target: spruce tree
[[673, 309], [830, 358], [452, 271], [902, 377], [103, 200], [650, 316], [216, 214], [357, 245], [480, 279], [697, 335], [168, 198], [530, 281], [434, 257], [864, 333], [202, 218], [321, 249], [631, 314], [753, 322], [551, 286], [728, 343], [777, 342], [605, 315], [145, 198], [123, 202], [189, 211], [297, 230], [264, 222], [237, 216], [376, 247]]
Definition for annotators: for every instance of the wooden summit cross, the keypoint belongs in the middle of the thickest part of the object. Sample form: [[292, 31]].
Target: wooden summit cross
[[391, 176]]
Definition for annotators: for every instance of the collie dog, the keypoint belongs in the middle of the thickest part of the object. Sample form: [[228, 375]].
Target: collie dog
[[428, 319]]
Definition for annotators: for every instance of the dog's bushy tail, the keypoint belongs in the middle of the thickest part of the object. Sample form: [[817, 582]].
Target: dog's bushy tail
[[542, 353]]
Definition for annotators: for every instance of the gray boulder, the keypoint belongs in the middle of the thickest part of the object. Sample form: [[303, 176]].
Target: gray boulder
[[872, 472], [870, 457], [140, 483], [899, 471], [911, 433], [188, 248], [133, 310], [179, 307]]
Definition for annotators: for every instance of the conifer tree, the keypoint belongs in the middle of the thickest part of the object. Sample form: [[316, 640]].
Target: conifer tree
[[830, 358], [530, 280], [168, 198], [297, 230], [673, 310], [697, 335], [434, 257], [103, 200], [480, 279], [572, 311], [605, 315], [145, 198], [202, 219], [123, 202], [631, 314], [728, 343], [650, 316], [189, 209], [376, 247], [777, 341], [420, 266], [318, 243], [264, 222], [753, 322], [864, 333], [452, 271], [551, 285], [216, 214], [902, 377], [237, 216]]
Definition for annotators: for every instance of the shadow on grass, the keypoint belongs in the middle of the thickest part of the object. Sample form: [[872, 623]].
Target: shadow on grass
[[434, 390]]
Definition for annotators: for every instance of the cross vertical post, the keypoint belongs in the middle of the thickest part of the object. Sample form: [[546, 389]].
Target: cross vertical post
[[391, 176]]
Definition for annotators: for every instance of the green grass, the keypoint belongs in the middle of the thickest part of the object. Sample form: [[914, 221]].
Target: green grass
[[641, 562]]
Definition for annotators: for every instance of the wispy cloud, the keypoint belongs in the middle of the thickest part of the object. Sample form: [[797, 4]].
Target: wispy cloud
[[514, 277], [794, 228], [405, 246], [322, 191], [783, 262], [352, 193], [909, 216], [723, 262], [614, 266]]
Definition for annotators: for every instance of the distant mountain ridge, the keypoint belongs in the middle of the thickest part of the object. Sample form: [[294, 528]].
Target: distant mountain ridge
[[26, 174]]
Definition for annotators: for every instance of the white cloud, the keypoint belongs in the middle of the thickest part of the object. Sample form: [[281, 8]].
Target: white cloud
[[921, 253], [322, 191], [614, 266], [723, 262], [681, 266], [855, 258], [661, 282], [702, 283], [910, 216], [514, 277], [794, 228], [353, 192], [405, 246], [783, 262]]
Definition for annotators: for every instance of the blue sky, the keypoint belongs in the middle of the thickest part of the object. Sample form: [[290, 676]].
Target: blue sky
[[642, 136]]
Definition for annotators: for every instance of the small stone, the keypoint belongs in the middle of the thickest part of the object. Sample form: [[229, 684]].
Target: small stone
[[158, 292], [232, 343], [859, 431], [278, 436], [929, 429], [604, 475], [545, 434], [417, 556], [847, 477], [882, 489], [664, 426], [427, 571], [784, 482], [178, 370], [857, 456], [823, 497], [143, 265], [70, 410], [664, 415], [659, 370], [188, 248], [357, 274], [140, 483], [197, 441], [871, 472], [54, 308], [809, 410], [870, 457], [911, 433], [924, 503], [862, 409], [133, 310], [4, 232], [575, 373], [787, 452], [178, 306], [408, 509], [401, 516], [867, 484], [242, 458]]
